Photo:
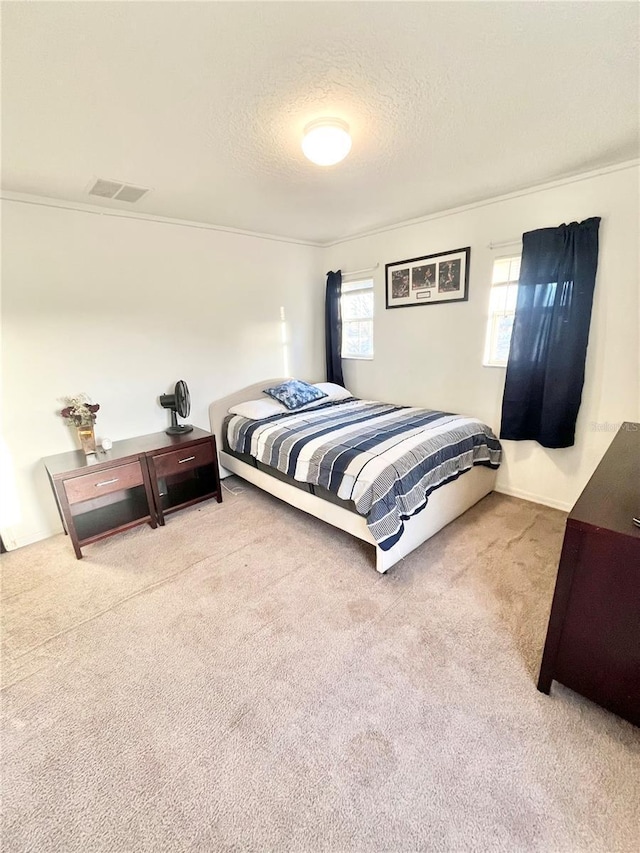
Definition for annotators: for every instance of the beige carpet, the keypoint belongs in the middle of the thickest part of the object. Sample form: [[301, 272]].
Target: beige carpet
[[244, 680]]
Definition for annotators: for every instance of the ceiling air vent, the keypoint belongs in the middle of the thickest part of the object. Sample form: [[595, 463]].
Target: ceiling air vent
[[119, 191], [105, 189], [129, 193]]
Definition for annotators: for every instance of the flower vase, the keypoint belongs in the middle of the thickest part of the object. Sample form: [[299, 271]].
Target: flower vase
[[87, 438]]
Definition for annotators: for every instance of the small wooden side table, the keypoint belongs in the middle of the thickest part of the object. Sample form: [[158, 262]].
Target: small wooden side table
[[184, 475], [101, 494]]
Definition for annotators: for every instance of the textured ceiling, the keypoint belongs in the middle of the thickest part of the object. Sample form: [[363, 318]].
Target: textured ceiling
[[448, 103]]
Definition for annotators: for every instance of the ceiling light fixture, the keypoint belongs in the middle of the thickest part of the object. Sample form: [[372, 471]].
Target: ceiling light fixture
[[326, 141]]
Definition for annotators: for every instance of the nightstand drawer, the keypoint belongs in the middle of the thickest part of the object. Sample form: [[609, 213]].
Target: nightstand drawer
[[104, 482], [184, 460]]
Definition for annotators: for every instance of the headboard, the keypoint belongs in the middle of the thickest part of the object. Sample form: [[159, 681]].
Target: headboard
[[219, 408]]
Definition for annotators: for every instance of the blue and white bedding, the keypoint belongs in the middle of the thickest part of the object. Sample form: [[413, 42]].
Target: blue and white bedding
[[386, 459]]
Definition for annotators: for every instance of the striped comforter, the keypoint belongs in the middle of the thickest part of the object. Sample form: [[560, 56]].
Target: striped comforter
[[386, 459]]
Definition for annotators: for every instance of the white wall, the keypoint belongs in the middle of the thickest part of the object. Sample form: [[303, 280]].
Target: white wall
[[121, 308], [434, 357]]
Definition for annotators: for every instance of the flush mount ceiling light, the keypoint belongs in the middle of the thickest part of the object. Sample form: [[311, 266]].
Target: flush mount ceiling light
[[326, 141]]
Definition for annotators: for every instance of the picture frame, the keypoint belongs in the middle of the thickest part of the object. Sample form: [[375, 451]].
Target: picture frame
[[428, 280]]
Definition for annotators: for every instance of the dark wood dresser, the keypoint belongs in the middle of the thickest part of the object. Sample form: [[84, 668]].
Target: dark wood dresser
[[593, 639]]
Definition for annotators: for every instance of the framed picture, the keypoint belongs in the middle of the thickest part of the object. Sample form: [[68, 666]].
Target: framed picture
[[443, 277]]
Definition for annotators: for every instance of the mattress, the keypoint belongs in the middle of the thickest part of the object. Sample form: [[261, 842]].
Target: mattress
[[384, 460], [318, 491]]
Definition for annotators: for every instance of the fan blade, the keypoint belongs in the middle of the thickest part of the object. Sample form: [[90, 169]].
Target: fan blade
[[183, 399]]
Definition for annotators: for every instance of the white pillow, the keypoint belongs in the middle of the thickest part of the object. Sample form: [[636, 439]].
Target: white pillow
[[255, 410], [333, 392]]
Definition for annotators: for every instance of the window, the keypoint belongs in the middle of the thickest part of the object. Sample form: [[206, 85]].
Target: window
[[356, 306], [502, 308]]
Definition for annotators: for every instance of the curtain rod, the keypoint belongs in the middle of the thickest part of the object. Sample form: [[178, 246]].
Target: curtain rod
[[505, 243], [360, 272]]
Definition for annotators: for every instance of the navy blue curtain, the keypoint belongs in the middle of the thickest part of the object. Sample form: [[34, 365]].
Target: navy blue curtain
[[333, 328], [545, 371]]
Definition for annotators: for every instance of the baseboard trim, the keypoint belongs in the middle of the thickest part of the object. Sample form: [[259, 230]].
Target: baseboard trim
[[11, 543], [536, 499]]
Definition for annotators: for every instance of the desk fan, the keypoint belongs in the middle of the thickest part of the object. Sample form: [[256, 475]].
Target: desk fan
[[180, 404]]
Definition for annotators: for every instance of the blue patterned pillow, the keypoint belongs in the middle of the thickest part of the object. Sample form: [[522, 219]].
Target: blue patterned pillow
[[295, 394]]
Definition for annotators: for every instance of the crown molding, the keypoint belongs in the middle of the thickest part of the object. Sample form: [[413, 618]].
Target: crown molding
[[60, 204], [524, 191], [96, 210]]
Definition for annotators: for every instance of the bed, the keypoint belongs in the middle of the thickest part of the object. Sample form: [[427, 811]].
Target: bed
[[253, 450]]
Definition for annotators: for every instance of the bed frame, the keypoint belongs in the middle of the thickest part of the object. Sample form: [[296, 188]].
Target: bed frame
[[445, 504]]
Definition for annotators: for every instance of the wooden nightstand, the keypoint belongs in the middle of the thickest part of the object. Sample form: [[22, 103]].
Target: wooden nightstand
[[101, 494], [186, 475], [138, 481]]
